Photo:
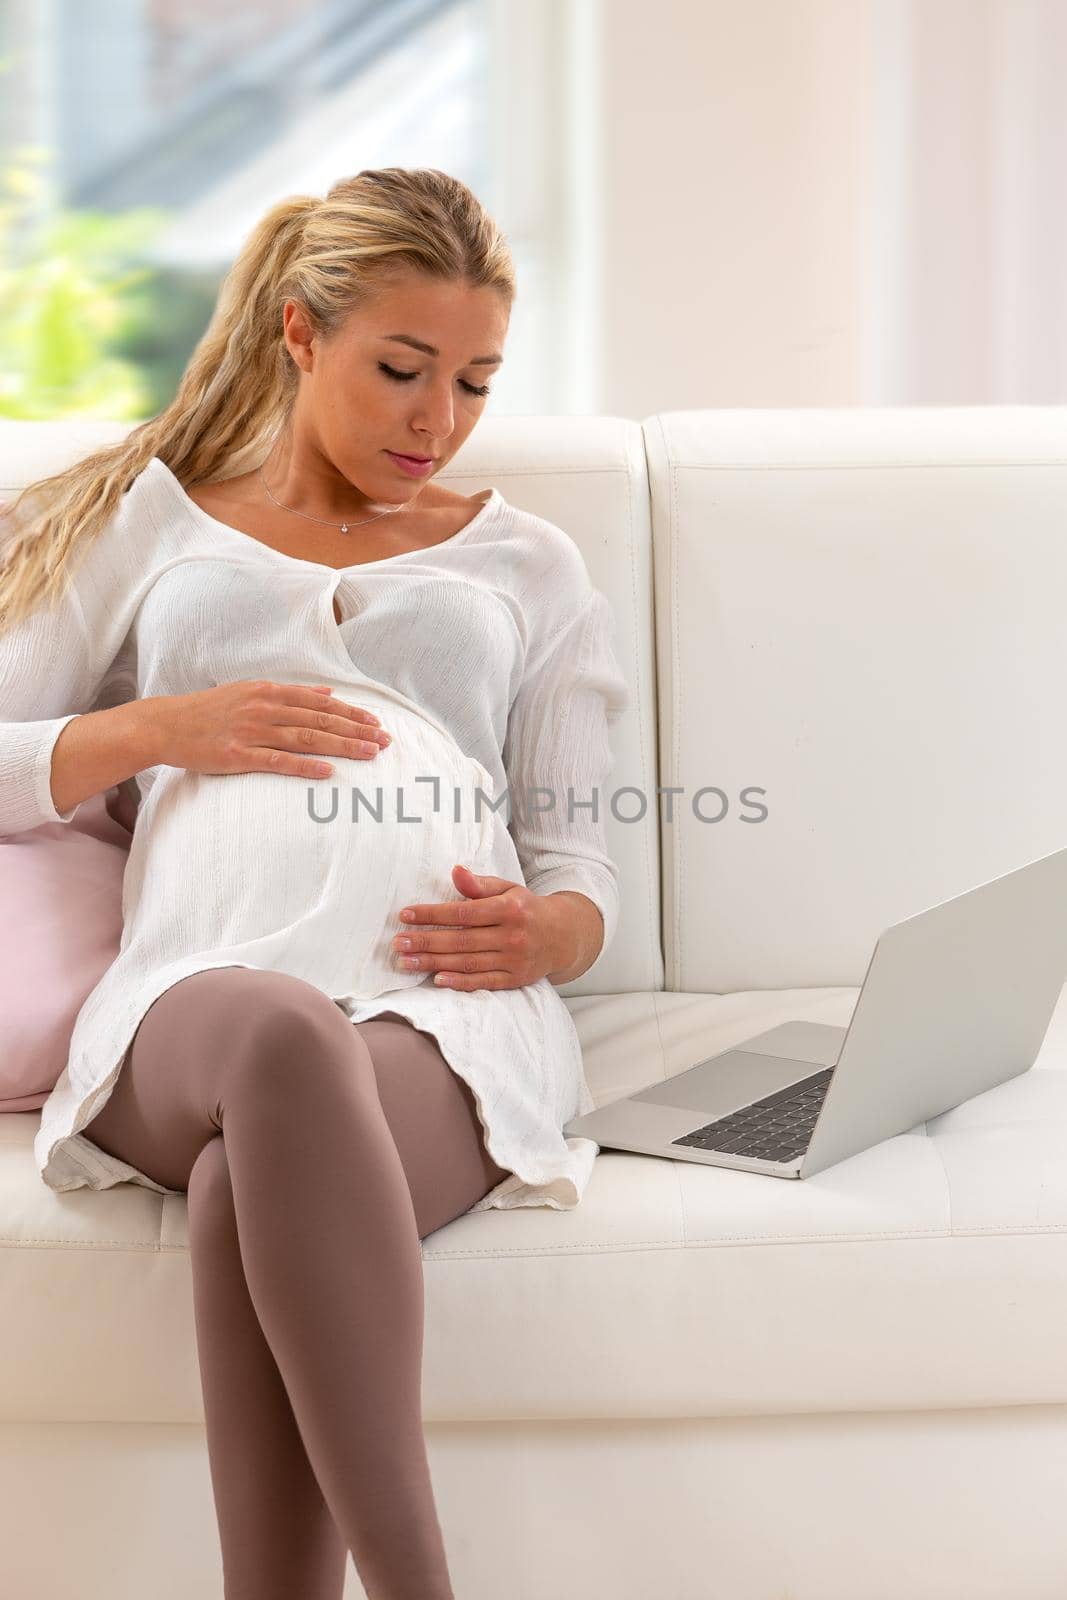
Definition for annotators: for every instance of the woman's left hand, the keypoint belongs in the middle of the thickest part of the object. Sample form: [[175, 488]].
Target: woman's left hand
[[500, 936]]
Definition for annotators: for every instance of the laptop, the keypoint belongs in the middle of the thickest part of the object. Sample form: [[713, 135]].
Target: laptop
[[957, 999]]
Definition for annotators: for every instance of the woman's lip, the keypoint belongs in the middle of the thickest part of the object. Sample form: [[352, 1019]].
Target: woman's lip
[[410, 466], [422, 460]]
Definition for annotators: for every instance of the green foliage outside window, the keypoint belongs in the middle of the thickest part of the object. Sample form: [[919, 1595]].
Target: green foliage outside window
[[87, 329]]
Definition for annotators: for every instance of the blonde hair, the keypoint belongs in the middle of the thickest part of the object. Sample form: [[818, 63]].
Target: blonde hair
[[239, 386]]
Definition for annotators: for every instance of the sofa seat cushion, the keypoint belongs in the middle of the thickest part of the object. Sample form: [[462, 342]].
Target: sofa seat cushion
[[927, 1272]]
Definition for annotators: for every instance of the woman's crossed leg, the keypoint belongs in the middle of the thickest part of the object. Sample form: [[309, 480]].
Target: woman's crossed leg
[[316, 1155]]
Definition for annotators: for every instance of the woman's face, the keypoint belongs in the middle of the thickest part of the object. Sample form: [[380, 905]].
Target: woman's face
[[352, 410]]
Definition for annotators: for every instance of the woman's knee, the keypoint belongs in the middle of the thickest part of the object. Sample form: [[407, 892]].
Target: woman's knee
[[283, 1033]]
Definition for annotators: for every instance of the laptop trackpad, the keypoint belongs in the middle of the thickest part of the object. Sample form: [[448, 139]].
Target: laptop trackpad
[[726, 1082]]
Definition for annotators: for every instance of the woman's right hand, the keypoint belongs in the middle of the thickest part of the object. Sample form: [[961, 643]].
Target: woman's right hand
[[260, 726]]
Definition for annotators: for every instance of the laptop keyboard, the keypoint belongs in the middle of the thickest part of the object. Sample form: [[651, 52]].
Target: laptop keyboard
[[777, 1128]]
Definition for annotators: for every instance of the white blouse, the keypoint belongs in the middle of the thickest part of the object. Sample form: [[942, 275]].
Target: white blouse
[[489, 660]]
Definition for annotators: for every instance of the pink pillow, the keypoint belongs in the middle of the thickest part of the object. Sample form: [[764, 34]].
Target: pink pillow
[[61, 891]]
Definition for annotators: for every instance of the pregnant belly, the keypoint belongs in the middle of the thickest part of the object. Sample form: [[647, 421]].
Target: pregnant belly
[[305, 875]]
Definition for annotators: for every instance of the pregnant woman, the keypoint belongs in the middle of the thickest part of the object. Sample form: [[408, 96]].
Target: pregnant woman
[[333, 1019]]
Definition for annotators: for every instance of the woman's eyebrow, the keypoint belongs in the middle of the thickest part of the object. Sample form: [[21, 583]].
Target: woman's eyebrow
[[428, 350]]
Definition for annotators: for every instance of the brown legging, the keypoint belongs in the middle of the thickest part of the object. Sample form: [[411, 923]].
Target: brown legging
[[316, 1154]]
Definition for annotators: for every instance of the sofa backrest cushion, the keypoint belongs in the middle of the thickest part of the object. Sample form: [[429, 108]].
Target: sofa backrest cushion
[[859, 621]]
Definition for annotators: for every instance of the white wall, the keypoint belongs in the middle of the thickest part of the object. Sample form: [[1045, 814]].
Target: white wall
[[821, 202], [734, 150]]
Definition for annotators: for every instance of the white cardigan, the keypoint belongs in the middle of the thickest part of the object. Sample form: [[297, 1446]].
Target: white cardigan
[[488, 658]]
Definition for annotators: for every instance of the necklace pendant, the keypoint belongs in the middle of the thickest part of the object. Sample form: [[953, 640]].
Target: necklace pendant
[[344, 527]]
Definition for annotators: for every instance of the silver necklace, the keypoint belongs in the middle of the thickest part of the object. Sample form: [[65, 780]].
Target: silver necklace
[[344, 526]]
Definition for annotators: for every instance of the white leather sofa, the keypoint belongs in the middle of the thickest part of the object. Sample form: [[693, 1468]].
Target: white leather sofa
[[718, 1385]]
